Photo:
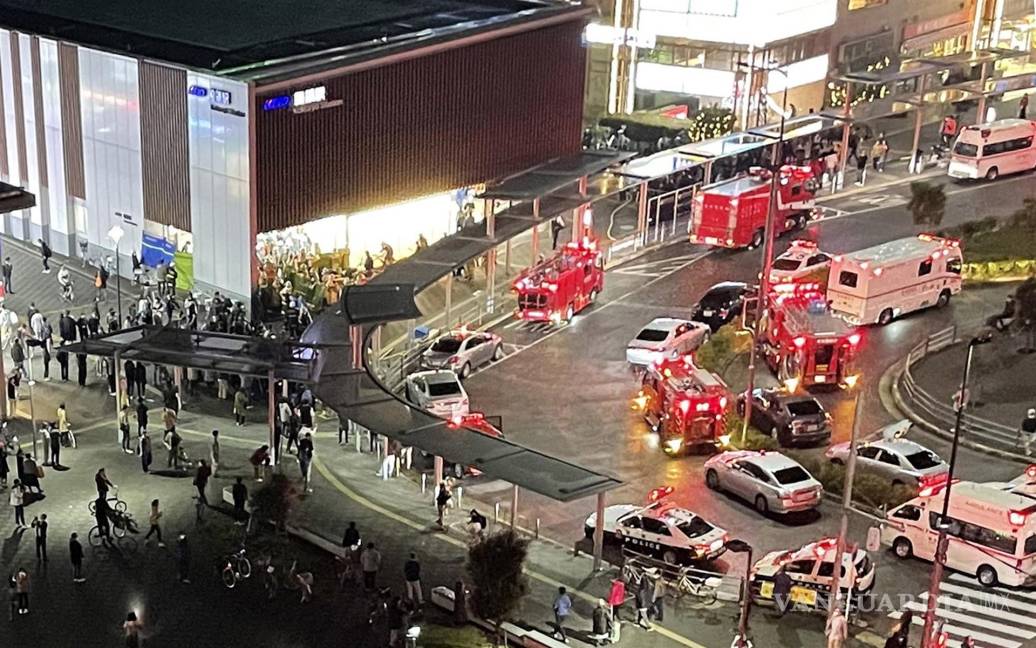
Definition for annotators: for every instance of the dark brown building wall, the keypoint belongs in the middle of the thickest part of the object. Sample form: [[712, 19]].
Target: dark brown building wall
[[441, 121], [163, 143]]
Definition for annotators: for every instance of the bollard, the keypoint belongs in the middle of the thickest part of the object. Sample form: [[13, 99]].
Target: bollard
[[460, 497], [537, 528], [424, 483], [496, 513]]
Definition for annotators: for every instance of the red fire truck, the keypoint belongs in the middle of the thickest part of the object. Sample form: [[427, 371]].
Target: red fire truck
[[803, 342], [684, 404], [559, 287], [733, 214]]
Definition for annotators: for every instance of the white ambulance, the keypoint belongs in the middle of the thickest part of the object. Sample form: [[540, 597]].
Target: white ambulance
[[991, 530], [994, 149], [880, 283]]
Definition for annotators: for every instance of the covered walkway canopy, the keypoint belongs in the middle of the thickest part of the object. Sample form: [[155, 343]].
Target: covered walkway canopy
[[14, 198]]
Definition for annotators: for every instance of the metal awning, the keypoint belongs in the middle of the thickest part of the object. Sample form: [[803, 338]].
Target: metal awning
[[360, 397], [801, 126], [209, 351], [14, 198], [554, 175], [728, 145]]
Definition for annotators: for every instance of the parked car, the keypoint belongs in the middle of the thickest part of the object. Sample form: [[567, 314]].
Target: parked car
[[463, 351], [895, 459], [438, 391], [771, 481], [792, 419], [666, 337], [721, 304], [661, 529]]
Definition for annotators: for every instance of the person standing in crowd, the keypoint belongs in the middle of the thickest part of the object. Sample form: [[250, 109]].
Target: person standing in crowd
[[836, 629], [21, 580], [259, 459], [239, 492], [47, 345], [129, 369], [442, 500], [8, 270], [75, 554], [556, 225], [45, 254], [214, 452], [351, 538], [305, 458], [144, 448], [183, 559], [878, 152], [124, 429], [81, 369], [201, 481], [240, 405], [141, 416], [18, 356], [412, 574], [861, 163], [17, 501], [168, 424], [1027, 430], [55, 446], [173, 459], [370, 563], [1023, 106], [141, 379], [63, 363], [155, 524], [132, 629], [39, 526], [562, 608], [643, 596], [62, 416]]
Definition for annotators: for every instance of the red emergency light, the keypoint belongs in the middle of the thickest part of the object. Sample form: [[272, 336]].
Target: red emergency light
[[658, 493], [1017, 518], [1030, 471]]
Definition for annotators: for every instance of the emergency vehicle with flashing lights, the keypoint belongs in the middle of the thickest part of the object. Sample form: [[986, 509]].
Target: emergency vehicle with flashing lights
[[559, 287], [685, 405], [732, 214], [811, 569], [661, 529], [991, 530], [880, 283], [803, 343], [803, 260], [993, 149], [488, 425]]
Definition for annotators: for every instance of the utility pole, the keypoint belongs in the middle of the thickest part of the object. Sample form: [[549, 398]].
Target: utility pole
[[847, 501]]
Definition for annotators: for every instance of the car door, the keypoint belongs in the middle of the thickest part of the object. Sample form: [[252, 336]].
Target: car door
[[868, 458], [890, 466], [657, 537], [479, 353], [762, 415], [736, 478], [761, 484], [680, 341]]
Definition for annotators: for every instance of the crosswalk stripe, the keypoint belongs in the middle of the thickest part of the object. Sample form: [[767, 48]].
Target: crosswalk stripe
[[965, 632], [971, 620], [971, 580], [956, 604], [1006, 601]]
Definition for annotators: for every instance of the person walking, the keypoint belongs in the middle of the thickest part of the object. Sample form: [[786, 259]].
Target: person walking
[[214, 452], [75, 554], [21, 580], [131, 626], [63, 363], [556, 225], [62, 418], [1023, 107], [643, 597], [17, 501], [141, 379], [239, 493], [173, 459], [54, 436], [168, 424], [442, 500], [201, 481], [129, 370], [81, 369], [18, 356], [351, 537], [836, 629], [562, 608], [370, 563], [861, 164], [145, 452], [141, 416], [45, 254], [124, 429], [658, 599], [878, 152], [1027, 430], [154, 520], [183, 559], [240, 405], [305, 458], [39, 526], [8, 270], [412, 574], [47, 345], [259, 460]]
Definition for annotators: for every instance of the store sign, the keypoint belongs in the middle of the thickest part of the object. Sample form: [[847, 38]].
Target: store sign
[[598, 34], [215, 95], [301, 101], [935, 24]]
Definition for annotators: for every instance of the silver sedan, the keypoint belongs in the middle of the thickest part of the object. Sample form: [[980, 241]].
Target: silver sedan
[[897, 460], [769, 480], [463, 351]]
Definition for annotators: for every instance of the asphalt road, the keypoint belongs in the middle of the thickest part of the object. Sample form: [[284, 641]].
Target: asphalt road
[[568, 390]]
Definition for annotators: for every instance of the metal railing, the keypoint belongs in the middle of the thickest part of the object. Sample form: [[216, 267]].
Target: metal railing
[[942, 414]]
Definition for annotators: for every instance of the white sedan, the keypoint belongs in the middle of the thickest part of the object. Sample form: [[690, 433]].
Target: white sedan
[[666, 337], [672, 534], [801, 260], [437, 391]]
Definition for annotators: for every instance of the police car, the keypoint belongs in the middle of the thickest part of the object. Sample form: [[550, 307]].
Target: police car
[[811, 569], [661, 529], [802, 259]]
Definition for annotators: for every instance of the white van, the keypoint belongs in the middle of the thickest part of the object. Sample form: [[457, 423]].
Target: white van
[[881, 283], [994, 149], [991, 531]]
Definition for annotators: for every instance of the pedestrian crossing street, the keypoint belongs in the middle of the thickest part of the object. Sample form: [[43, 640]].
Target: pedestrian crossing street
[[994, 617]]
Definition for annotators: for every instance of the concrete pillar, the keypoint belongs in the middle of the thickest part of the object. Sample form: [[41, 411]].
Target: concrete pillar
[[118, 387], [514, 506], [599, 533], [448, 309], [642, 207], [981, 116], [490, 256], [918, 120], [438, 471], [579, 228], [271, 415]]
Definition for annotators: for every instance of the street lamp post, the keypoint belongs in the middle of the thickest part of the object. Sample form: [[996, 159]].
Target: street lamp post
[[740, 546], [847, 499], [940, 545], [768, 236], [115, 234], [32, 413]]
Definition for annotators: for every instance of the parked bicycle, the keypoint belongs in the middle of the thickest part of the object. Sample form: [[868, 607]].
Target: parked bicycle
[[236, 568]]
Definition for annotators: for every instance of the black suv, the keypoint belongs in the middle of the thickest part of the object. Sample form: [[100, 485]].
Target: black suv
[[722, 303], [790, 418]]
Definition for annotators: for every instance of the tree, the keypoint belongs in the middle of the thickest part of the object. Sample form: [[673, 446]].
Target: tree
[[276, 501], [927, 203], [1025, 298], [711, 122], [496, 568]]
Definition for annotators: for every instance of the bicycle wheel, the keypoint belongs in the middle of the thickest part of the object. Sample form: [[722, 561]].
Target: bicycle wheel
[[94, 537], [244, 568], [228, 577], [119, 530], [120, 506], [93, 507]]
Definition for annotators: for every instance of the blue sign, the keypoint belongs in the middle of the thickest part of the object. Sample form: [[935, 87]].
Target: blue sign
[[198, 91], [277, 103]]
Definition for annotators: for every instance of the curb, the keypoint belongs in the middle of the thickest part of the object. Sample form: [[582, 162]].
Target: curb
[[931, 428]]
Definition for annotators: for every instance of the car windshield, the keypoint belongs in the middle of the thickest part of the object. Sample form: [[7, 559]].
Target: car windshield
[[791, 475], [443, 388], [923, 459], [965, 150], [804, 408], [786, 264], [695, 527], [716, 299], [652, 335], [447, 345]]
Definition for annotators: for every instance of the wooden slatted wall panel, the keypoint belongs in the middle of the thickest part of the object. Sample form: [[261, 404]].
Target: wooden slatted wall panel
[[71, 120], [163, 142]]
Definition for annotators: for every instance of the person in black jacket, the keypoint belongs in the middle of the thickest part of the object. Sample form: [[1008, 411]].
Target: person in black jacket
[[141, 379], [63, 361], [75, 552], [141, 416], [129, 369], [67, 328], [81, 367], [45, 255]]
